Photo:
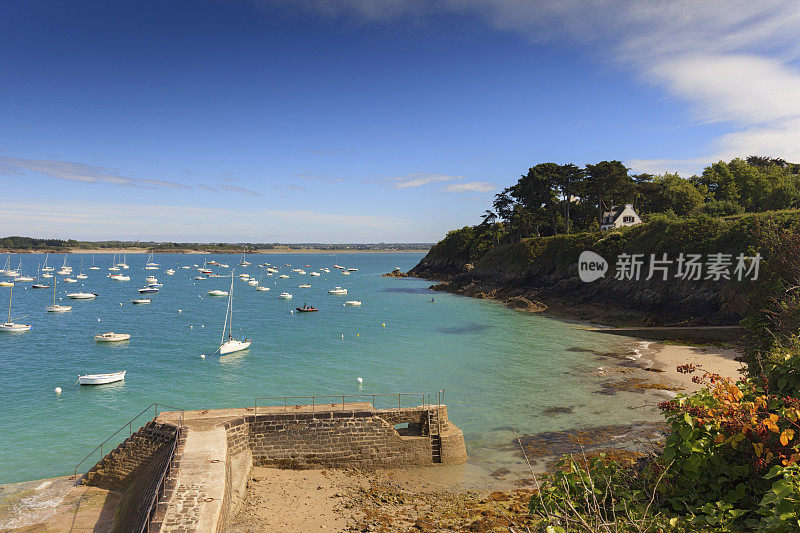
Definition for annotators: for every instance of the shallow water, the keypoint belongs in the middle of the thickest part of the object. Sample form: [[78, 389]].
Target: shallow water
[[501, 369]]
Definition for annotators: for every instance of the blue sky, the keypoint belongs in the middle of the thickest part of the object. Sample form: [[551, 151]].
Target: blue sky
[[364, 120]]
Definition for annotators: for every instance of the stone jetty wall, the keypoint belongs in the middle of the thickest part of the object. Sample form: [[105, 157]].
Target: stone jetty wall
[[342, 438]]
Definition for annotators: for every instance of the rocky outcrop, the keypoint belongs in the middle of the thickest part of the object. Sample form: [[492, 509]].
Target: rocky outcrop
[[395, 274], [606, 301]]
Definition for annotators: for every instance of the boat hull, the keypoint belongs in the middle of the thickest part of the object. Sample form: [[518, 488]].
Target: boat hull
[[58, 308], [233, 346], [15, 328], [115, 338], [101, 379]]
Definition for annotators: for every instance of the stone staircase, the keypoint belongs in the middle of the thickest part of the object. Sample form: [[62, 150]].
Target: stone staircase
[[116, 470]]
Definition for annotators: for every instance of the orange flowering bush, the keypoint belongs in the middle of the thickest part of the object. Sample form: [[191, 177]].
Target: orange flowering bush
[[725, 442]]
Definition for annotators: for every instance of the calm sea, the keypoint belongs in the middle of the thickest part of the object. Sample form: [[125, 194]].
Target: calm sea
[[500, 368]]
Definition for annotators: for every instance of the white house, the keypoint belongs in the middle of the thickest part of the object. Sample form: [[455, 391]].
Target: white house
[[619, 216]]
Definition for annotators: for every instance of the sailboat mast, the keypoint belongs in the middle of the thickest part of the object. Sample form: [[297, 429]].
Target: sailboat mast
[[230, 303], [55, 282], [10, 296]]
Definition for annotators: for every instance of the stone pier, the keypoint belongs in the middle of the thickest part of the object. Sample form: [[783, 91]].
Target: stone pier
[[219, 447]]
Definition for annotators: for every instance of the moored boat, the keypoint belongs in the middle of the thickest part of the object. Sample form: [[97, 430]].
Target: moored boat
[[101, 379], [112, 337]]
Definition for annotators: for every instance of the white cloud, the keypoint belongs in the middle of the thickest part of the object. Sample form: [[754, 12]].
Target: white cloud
[[418, 180], [470, 186], [69, 171], [733, 61]]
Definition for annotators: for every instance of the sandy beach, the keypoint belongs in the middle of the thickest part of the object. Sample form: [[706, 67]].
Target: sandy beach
[[716, 360]]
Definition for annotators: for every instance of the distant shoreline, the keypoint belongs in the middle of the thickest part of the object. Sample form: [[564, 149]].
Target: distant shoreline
[[229, 252]]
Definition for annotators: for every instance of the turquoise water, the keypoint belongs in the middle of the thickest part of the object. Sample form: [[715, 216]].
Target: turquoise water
[[500, 368]]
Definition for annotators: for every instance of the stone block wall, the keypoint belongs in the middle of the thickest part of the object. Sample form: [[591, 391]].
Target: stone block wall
[[119, 468], [332, 439]]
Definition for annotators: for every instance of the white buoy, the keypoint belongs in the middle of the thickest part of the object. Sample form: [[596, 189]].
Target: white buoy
[[58, 390], [360, 381], [343, 335], [202, 326], [291, 312], [191, 327], [180, 310], [202, 356], [120, 304], [98, 319]]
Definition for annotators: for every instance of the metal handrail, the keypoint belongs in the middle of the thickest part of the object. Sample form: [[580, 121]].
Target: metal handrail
[[313, 399], [161, 484], [129, 425]]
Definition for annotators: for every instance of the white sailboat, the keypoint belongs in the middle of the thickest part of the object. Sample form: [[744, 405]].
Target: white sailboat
[[231, 345], [39, 285], [57, 308], [114, 267], [150, 264], [10, 325], [81, 275], [93, 267], [46, 268]]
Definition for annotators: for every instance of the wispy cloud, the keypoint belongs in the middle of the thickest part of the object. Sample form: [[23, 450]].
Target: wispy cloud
[[107, 220], [314, 151], [732, 61], [241, 190], [80, 172], [470, 186], [418, 180]]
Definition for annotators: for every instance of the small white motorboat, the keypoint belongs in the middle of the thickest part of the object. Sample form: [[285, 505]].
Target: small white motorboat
[[285, 296], [112, 269], [151, 279], [170, 272], [148, 290], [82, 276], [252, 282], [118, 277], [244, 276], [40, 286], [6, 283], [156, 285], [337, 291], [48, 275], [217, 292], [200, 277], [70, 280], [101, 379], [353, 269], [94, 267], [23, 278], [304, 286], [260, 288], [315, 274], [326, 270], [140, 301], [283, 276], [353, 303], [185, 267], [82, 295], [112, 337], [345, 273]]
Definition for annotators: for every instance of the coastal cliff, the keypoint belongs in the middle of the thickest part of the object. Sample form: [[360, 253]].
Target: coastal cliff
[[540, 274]]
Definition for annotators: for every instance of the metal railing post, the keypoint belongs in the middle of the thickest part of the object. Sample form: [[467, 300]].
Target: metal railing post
[[313, 401], [342, 402]]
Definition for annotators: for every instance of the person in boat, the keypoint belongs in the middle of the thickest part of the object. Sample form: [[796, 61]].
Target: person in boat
[[432, 301]]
